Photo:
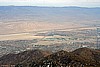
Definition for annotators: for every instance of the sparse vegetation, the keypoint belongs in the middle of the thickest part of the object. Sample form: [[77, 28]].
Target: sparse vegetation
[[83, 57]]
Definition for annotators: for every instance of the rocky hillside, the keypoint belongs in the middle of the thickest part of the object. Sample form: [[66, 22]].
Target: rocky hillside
[[24, 57], [82, 57], [90, 55]]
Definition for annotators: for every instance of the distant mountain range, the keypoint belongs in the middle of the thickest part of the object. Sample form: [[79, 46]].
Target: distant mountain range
[[82, 57], [80, 15], [18, 19]]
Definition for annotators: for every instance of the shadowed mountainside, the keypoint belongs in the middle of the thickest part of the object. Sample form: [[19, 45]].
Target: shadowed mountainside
[[24, 57], [89, 55], [82, 57]]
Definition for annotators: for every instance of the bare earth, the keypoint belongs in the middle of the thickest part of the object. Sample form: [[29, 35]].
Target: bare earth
[[26, 30]]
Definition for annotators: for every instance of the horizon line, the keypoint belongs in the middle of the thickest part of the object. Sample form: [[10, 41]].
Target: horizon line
[[47, 6]]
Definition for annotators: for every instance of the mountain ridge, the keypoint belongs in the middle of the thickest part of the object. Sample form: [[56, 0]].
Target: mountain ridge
[[90, 58], [51, 6]]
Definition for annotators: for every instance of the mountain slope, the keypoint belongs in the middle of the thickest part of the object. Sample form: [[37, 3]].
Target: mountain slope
[[82, 57], [75, 59], [90, 55], [24, 57]]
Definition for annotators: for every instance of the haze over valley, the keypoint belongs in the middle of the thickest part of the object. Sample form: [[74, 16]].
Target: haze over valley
[[31, 35], [25, 19]]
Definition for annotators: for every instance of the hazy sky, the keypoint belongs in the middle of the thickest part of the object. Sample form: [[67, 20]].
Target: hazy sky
[[83, 3]]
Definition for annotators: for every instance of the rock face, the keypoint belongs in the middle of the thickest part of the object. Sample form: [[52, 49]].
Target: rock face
[[82, 57], [89, 55], [61, 58], [23, 58]]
